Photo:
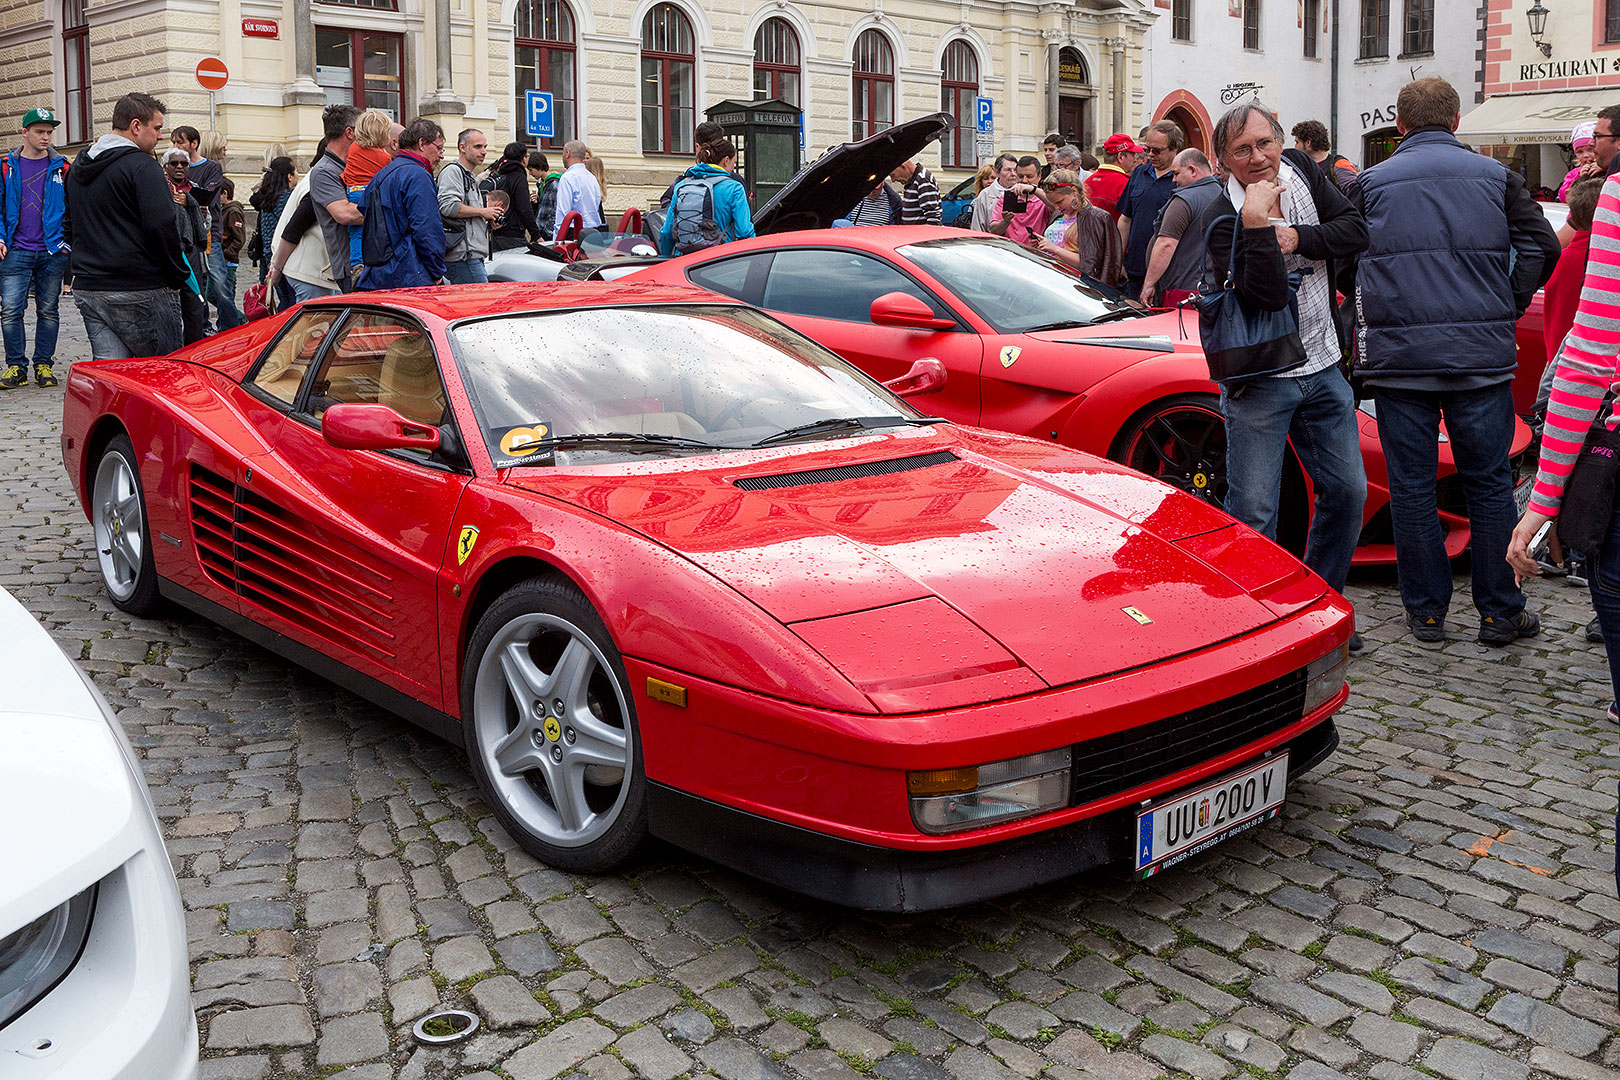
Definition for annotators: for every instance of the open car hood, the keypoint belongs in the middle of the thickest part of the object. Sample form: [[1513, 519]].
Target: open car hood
[[826, 189]]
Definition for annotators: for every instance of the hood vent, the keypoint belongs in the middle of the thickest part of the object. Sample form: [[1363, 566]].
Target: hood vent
[[845, 472]]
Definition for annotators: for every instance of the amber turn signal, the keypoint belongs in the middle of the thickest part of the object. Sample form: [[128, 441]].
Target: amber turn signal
[[943, 781], [667, 692]]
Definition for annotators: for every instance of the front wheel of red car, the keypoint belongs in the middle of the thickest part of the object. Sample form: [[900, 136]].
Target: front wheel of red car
[[118, 522], [1182, 441], [550, 728]]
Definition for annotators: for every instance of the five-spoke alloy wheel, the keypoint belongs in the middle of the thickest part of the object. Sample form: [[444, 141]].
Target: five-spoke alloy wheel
[[118, 519], [1182, 441], [550, 728]]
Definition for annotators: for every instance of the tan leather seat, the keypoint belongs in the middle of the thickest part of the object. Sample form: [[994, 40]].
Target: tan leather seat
[[409, 381]]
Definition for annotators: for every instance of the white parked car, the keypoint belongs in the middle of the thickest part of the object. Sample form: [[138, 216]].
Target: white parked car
[[94, 982]]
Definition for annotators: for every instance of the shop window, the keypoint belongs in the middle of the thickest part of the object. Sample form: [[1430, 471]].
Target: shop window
[[668, 74], [776, 62], [1251, 24], [958, 86], [1180, 20], [360, 68], [1374, 29], [1377, 145], [75, 72], [1611, 21], [1417, 38], [873, 89], [1310, 17], [543, 55]]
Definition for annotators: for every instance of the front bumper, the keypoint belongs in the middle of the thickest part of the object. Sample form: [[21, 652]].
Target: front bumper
[[886, 879]]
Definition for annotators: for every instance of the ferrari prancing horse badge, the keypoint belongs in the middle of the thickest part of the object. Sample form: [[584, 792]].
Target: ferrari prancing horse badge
[[464, 546], [1009, 355]]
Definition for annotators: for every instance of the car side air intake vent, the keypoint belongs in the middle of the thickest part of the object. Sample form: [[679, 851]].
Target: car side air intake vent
[[844, 472]]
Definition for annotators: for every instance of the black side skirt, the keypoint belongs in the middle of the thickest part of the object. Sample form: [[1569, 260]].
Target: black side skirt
[[883, 879], [441, 724]]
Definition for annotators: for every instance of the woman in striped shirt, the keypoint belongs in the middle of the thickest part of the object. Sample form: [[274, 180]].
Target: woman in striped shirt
[[1587, 368]]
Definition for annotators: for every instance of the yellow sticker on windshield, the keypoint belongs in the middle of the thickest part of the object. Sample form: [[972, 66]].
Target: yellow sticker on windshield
[[1010, 355], [523, 441]]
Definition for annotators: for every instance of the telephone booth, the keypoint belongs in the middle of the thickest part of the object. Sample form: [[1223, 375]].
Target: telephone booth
[[769, 137]]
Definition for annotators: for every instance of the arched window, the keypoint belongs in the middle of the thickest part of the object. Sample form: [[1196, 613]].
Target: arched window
[[75, 71], [958, 86], [543, 59], [668, 56], [776, 62], [873, 84]]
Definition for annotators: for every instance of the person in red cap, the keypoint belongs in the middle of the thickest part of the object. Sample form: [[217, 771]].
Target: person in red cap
[[1107, 184]]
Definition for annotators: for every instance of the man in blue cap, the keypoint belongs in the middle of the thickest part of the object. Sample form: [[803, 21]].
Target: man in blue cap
[[33, 253]]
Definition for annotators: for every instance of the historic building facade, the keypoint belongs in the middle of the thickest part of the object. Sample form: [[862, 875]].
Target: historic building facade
[[630, 77]]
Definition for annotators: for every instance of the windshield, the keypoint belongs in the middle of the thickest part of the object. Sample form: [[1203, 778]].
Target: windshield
[[1011, 288], [681, 379]]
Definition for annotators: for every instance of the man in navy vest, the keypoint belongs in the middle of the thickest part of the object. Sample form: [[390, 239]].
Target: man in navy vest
[[1457, 251]]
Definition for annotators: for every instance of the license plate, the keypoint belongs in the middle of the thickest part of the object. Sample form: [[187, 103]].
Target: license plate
[[1521, 494], [1188, 822]]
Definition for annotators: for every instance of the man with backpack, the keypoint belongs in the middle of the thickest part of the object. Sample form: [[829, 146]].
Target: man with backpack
[[33, 253], [467, 219], [402, 239], [1311, 139], [709, 207]]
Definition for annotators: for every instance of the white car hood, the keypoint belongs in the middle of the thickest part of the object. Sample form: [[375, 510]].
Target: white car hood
[[67, 780]]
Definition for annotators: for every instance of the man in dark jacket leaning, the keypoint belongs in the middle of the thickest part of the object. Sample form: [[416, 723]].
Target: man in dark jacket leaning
[[126, 264], [1287, 218], [1458, 250], [404, 192]]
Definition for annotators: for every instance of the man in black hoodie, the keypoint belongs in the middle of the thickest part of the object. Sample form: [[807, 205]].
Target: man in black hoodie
[[126, 262]]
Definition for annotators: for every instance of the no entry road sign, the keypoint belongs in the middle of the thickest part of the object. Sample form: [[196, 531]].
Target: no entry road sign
[[211, 73]]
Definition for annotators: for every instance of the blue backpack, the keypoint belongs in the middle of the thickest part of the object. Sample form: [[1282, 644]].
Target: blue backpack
[[693, 209]]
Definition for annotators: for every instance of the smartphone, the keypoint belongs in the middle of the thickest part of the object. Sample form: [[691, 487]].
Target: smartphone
[[1540, 538]]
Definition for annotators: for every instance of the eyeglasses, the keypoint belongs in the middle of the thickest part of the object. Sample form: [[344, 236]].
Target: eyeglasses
[[1243, 153], [1596, 135], [1158, 149]]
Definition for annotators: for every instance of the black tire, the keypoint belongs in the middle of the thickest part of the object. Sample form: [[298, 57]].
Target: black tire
[[550, 774], [122, 538]]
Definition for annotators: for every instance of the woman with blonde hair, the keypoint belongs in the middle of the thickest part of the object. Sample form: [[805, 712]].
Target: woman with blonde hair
[[1082, 236], [273, 151], [987, 173], [599, 171]]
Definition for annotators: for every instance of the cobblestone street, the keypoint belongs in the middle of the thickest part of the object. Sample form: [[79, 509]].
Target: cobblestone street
[[1437, 899]]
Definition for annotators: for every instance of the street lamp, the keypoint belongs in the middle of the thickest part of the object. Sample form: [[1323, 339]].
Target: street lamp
[[1537, 17]]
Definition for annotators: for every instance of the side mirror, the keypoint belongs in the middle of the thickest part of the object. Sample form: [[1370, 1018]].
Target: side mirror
[[925, 377], [908, 312], [375, 427]]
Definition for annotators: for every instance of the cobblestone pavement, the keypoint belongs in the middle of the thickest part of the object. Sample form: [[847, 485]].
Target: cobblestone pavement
[[1438, 899]]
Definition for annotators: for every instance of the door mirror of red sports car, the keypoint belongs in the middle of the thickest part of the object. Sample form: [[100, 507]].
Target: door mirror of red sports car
[[375, 427], [925, 377], [900, 309]]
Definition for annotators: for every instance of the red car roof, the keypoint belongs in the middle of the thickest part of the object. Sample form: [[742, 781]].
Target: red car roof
[[450, 302]]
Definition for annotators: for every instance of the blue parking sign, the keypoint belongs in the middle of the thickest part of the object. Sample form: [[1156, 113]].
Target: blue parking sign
[[537, 104], [984, 109]]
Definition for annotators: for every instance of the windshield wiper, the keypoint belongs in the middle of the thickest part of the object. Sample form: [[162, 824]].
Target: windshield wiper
[[1119, 313], [628, 440], [1061, 324], [844, 423]]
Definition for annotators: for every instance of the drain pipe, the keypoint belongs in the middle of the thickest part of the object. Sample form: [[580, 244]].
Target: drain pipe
[[1333, 82]]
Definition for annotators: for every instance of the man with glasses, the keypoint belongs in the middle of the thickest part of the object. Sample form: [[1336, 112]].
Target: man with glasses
[[1458, 250], [1146, 194], [1285, 217], [404, 193]]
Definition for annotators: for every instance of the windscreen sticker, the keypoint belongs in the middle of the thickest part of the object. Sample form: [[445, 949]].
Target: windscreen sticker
[[524, 445]]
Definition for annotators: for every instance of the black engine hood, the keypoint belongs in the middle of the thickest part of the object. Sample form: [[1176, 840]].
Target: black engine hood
[[826, 189]]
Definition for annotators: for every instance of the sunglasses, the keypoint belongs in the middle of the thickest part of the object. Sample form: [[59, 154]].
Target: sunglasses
[[1049, 185]]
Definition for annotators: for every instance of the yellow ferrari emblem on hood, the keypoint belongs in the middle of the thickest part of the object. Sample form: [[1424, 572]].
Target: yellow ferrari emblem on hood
[[464, 546], [1137, 614], [1010, 355]]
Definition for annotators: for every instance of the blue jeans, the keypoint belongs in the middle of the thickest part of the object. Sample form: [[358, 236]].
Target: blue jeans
[[1479, 424], [18, 271], [303, 290], [221, 289], [1319, 415], [466, 272], [127, 324]]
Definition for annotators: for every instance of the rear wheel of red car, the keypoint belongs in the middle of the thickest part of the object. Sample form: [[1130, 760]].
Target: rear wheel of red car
[[1182, 441], [550, 728], [118, 520]]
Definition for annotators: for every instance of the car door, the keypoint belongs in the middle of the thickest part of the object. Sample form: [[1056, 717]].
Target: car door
[[341, 549], [827, 293]]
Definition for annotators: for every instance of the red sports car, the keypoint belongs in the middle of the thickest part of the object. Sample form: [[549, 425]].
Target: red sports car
[[1029, 347], [663, 565]]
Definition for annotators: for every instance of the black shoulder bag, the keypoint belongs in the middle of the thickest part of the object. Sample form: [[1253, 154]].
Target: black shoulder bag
[[1243, 342], [1588, 507]]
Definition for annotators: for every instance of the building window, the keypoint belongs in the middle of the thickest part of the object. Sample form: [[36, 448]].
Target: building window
[[543, 59], [1611, 21], [1180, 20], [382, 5], [873, 85], [668, 72], [776, 62], [958, 86], [1378, 145], [360, 68], [1418, 36], [1311, 17], [1251, 24], [76, 71], [1374, 28]]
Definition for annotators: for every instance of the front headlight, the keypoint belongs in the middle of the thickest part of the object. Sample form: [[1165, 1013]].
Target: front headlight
[[38, 956], [950, 800], [1324, 676]]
